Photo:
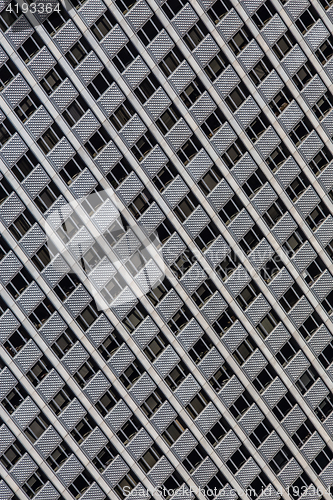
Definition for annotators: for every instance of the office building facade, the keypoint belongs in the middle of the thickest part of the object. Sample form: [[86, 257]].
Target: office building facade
[[166, 251]]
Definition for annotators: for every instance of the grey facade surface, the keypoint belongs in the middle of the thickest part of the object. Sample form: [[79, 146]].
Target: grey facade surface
[[166, 249]]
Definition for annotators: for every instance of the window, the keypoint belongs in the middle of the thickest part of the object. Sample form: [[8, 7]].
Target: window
[[153, 403], [218, 10], [50, 138], [194, 458], [280, 459], [203, 293], [225, 268], [317, 216], [8, 71], [313, 271], [264, 14], [277, 157], [240, 40], [195, 35], [41, 313], [247, 295], [323, 106], [325, 51], [86, 372], [146, 88], [64, 343], [110, 345], [6, 131], [165, 176], [45, 199], [294, 242], [125, 56], [242, 403], [105, 457], [291, 297], [125, 5], [131, 374], [280, 101], [121, 115], [322, 460], [284, 45], [39, 370], [321, 160], [257, 127], [107, 401], [4, 247], [61, 400], [283, 407], [185, 207], [261, 432], [251, 239], [300, 485], [267, 324], [237, 96], [224, 321], [327, 303], [179, 320], [173, 431], [326, 3], [78, 52], [230, 210], [150, 458], [97, 142], [325, 408], [274, 213], [310, 325], [168, 119], [271, 268], [183, 263], [218, 482], [55, 21], [189, 150], [128, 430], [43, 256], [14, 398], [75, 111], [30, 47], [264, 378], [103, 25], [80, 484], [100, 83], [34, 483], [207, 236], [177, 375], [24, 166], [216, 65], [303, 433], [171, 61], [12, 455], [221, 377], [209, 180], [192, 92], [88, 316], [164, 230], [259, 72], [297, 187], [173, 483], [254, 183], [59, 456], [22, 224], [244, 350], [143, 146], [304, 75], [237, 459], [218, 431], [197, 404], [36, 428], [156, 294], [134, 317], [27, 106], [83, 429], [150, 30], [326, 356], [199, 350], [306, 380], [19, 283], [128, 482], [66, 286], [307, 19], [233, 153], [53, 79], [213, 123]]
